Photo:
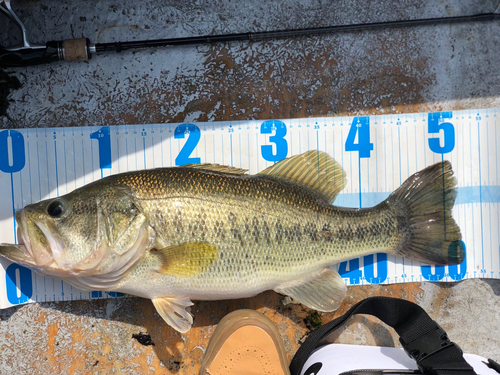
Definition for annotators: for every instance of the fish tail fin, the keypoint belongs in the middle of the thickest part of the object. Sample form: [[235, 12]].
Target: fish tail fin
[[423, 205]]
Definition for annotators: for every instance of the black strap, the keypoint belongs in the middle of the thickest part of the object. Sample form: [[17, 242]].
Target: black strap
[[422, 338]]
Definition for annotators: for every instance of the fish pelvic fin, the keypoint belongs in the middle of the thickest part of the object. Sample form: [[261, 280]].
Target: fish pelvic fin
[[188, 259], [314, 169], [423, 206], [173, 311], [323, 292]]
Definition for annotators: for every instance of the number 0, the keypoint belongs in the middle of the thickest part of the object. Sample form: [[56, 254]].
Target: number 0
[[18, 278], [17, 147]]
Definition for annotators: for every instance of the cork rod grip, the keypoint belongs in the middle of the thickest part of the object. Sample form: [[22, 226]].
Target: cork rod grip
[[76, 49]]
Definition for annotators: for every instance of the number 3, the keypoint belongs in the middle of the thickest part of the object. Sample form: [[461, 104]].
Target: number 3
[[278, 139]]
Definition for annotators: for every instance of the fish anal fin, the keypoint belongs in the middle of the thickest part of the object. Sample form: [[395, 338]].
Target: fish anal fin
[[313, 169], [173, 311], [188, 259], [217, 168], [323, 292]]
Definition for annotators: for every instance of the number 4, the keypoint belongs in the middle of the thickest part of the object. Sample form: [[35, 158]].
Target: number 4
[[361, 127]]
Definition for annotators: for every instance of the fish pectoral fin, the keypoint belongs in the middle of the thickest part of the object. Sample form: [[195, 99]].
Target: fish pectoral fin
[[188, 259], [314, 169], [217, 168], [173, 311], [324, 292]]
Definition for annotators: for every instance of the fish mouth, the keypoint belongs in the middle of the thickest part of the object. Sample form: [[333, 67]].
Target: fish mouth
[[38, 247], [16, 254], [34, 239], [22, 231], [21, 252]]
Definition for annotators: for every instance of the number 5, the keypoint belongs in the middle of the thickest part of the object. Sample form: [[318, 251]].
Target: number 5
[[435, 125]]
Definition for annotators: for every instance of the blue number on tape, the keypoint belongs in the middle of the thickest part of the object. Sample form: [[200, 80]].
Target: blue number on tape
[[279, 127], [436, 276], [17, 161], [104, 141], [370, 265], [194, 134], [435, 124], [21, 282], [455, 274], [354, 273], [453, 271], [361, 127]]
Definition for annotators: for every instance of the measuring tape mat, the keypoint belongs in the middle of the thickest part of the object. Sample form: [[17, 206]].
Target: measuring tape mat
[[377, 152]]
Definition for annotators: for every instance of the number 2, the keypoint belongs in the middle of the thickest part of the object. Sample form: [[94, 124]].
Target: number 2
[[194, 135]]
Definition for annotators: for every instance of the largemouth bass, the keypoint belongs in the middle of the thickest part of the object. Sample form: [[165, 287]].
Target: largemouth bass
[[209, 232]]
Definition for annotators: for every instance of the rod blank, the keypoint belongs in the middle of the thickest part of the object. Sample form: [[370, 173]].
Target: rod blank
[[123, 46]]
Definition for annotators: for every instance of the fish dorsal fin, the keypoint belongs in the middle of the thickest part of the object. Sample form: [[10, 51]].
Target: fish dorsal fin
[[188, 259], [217, 168], [314, 169], [324, 292], [173, 311]]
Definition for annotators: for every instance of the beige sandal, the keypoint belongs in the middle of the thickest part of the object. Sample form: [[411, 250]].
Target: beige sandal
[[245, 342]]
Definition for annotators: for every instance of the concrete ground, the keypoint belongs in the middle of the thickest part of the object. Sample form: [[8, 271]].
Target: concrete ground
[[428, 68]]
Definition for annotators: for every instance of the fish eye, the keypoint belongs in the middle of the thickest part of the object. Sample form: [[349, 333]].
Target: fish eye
[[55, 208]]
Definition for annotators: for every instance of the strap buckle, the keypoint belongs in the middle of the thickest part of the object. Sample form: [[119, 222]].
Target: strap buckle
[[428, 344]]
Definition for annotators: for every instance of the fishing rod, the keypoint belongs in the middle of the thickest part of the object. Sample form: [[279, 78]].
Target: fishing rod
[[81, 49]]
